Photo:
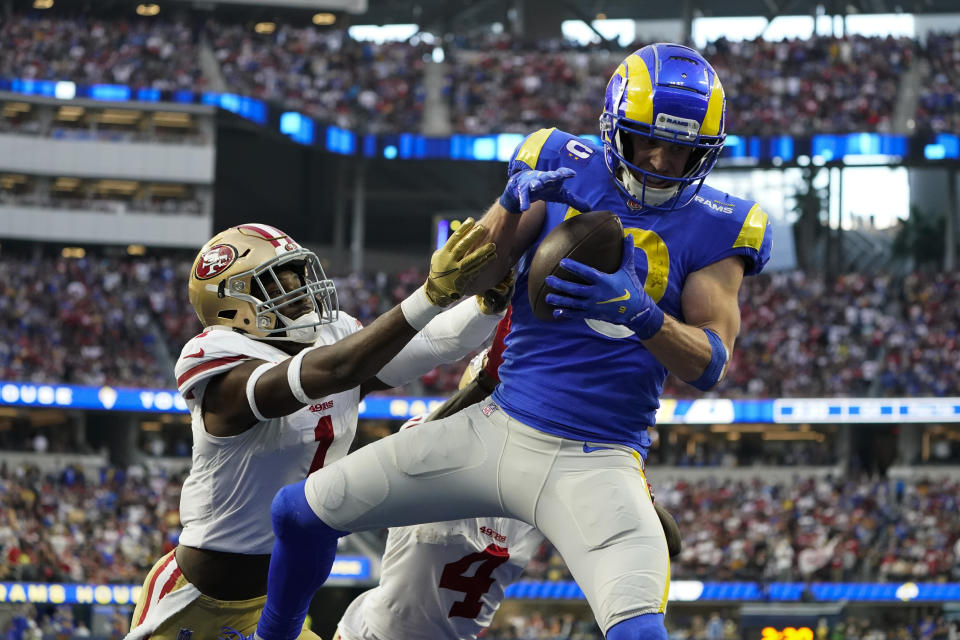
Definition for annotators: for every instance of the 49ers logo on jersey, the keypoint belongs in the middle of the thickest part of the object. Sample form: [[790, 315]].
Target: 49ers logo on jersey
[[215, 261]]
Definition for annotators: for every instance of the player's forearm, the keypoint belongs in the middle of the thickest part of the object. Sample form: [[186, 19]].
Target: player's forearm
[[329, 369], [351, 361], [449, 337], [513, 234], [501, 229], [683, 349]]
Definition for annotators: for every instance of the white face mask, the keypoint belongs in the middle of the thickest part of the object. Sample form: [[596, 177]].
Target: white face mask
[[651, 196], [305, 329]]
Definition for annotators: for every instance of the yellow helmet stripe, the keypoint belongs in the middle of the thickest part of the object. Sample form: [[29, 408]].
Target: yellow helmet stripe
[[714, 116], [639, 96]]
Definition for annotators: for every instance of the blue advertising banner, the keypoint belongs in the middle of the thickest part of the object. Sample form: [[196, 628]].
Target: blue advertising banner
[[702, 411]]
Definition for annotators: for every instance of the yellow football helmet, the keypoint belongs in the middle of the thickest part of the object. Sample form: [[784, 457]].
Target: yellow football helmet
[[229, 277]]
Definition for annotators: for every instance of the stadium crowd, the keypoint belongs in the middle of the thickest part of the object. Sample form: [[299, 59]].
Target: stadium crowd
[[496, 91], [121, 321], [104, 528], [107, 527], [160, 54], [373, 88], [92, 321], [938, 110], [821, 84], [493, 83], [849, 335]]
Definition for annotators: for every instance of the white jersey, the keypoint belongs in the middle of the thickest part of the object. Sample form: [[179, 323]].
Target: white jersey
[[225, 501], [442, 580]]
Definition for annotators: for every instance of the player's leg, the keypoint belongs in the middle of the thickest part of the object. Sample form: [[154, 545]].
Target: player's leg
[[302, 556], [443, 470], [648, 626], [596, 509]]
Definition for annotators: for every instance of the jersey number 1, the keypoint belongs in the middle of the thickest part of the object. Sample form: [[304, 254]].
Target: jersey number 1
[[472, 587], [323, 435]]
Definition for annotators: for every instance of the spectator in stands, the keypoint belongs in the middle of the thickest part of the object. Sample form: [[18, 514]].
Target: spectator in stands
[[373, 88], [938, 107], [75, 528], [495, 83], [116, 320], [139, 53]]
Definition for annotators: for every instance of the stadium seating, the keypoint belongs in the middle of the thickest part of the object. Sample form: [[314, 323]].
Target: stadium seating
[[938, 110], [326, 74], [493, 84], [92, 321], [73, 526], [160, 54], [76, 526], [802, 335], [854, 335], [818, 85]]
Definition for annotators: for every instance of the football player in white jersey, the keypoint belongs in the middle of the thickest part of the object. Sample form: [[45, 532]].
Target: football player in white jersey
[[273, 385]]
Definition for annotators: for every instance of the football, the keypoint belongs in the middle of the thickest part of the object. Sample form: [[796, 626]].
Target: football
[[594, 238]]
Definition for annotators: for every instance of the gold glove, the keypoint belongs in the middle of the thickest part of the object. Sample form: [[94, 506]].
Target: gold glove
[[454, 266], [496, 299]]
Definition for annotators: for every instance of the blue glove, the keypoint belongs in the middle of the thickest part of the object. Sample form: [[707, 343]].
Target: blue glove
[[616, 297], [531, 185]]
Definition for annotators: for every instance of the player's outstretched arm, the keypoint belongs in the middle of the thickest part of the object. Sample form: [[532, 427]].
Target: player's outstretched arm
[[257, 391], [448, 338]]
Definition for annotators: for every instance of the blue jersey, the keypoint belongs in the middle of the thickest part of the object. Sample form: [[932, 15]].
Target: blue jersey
[[591, 380]]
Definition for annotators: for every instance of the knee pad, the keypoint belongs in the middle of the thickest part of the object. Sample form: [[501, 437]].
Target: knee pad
[[293, 519], [649, 626]]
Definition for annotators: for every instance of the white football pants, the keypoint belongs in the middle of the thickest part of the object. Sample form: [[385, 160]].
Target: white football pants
[[591, 503]]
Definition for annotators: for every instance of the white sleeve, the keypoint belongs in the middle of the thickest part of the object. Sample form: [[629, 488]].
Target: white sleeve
[[207, 355], [447, 338]]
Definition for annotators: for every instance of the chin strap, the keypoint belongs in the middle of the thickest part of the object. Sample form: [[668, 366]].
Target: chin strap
[[651, 196], [306, 334]]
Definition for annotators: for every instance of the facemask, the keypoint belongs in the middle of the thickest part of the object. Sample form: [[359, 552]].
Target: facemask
[[651, 195]]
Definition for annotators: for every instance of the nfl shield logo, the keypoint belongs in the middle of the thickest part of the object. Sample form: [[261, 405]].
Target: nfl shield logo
[[185, 634]]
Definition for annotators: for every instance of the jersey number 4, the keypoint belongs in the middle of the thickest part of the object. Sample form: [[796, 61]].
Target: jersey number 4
[[472, 587]]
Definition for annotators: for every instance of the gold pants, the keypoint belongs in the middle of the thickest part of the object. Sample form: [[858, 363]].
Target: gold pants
[[203, 618]]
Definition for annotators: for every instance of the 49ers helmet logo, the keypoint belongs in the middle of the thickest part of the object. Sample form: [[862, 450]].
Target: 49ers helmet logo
[[215, 261]]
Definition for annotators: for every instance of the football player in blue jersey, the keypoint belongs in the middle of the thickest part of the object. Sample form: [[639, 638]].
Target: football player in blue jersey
[[562, 442]]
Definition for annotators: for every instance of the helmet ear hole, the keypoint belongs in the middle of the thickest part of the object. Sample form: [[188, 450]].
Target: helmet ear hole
[[228, 314]]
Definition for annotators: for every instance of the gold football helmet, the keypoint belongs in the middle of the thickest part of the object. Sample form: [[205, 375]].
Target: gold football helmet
[[229, 278]]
